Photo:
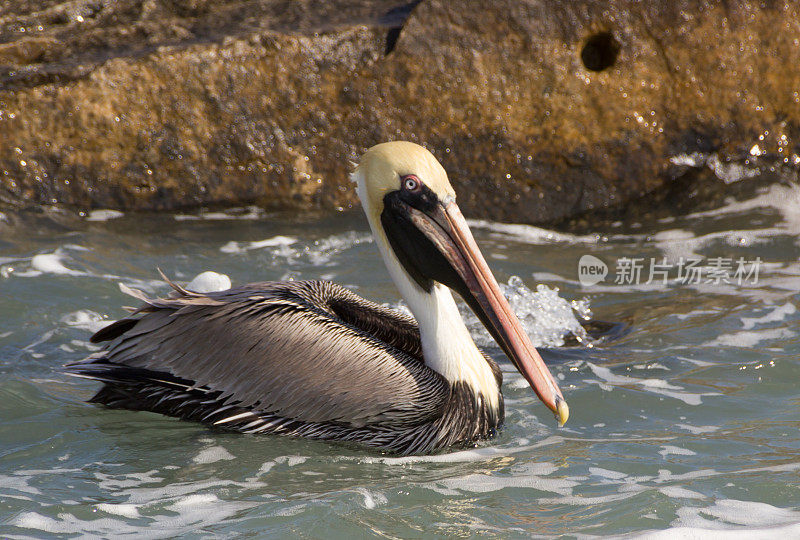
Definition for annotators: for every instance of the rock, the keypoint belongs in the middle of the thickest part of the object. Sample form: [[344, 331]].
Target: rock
[[541, 113]]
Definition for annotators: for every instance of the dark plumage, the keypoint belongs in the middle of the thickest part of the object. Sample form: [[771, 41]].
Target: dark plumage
[[303, 358]]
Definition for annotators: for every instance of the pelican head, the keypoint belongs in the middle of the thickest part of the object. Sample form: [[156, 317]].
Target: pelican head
[[428, 249]]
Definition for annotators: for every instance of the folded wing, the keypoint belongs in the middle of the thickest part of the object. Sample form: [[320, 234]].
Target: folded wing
[[309, 351]]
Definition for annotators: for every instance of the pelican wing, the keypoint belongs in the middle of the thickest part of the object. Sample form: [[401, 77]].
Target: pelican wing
[[307, 350], [387, 325]]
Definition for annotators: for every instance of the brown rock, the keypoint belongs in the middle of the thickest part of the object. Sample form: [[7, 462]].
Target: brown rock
[[539, 111]]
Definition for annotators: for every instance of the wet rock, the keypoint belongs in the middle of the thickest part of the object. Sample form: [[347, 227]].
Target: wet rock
[[540, 112]]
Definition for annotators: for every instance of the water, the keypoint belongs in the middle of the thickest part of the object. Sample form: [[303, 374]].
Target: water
[[685, 421]]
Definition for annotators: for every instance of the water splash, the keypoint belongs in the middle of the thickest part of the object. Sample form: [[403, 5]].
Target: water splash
[[546, 317]]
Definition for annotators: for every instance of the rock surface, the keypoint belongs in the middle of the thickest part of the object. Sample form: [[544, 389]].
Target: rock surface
[[540, 112]]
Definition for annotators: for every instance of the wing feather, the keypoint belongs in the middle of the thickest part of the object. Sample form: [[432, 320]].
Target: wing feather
[[307, 351]]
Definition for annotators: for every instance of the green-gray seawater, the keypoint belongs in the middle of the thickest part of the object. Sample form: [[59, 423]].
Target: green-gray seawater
[[685, 423]]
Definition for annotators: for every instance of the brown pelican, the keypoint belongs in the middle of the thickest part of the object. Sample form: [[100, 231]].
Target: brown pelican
[[311, 359]]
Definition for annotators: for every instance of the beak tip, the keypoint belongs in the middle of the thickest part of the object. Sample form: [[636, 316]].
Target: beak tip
[[562, 412]]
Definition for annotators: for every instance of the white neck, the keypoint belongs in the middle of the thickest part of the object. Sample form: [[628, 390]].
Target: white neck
[[447, 346]]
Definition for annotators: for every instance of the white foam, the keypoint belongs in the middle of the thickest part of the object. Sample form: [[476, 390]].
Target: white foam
[[678, 244], [676, 492], [581, 500], [655, 386], [605, 473], [110, 482], [747, 339], [372, 499], [250, 212], [289, 511], [288, 251], [202, 510], [609, 376], [750, 513], [163, 493], [791, 530], [194, 500], [32, 520], [275, 241], [461, 456], [125, 510], [665, 475], [531, 234], [84, 345], [51, 263], [667, 450], [695, 159], [776, 315], [272, 242], [697, 430], [209, 282], [322, 251], [730, 518], [104, 215], [76, 247], [548, 276], [19, 483], [212, 455], [693, 313], [781, 197], [785, 199], [673, 235], [531, 476], [68, 524], [86, 320], [186, 513], [291, 461], [730, 172]]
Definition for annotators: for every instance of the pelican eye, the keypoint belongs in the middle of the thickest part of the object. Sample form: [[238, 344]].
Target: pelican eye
[[410, 182]]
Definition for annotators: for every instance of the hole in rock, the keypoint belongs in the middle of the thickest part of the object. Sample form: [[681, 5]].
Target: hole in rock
[[600, 51]]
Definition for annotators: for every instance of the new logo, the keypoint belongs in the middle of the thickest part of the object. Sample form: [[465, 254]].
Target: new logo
[[591, 270]]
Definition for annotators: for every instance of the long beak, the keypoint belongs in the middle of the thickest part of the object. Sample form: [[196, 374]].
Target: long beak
[[454, 240]]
